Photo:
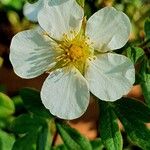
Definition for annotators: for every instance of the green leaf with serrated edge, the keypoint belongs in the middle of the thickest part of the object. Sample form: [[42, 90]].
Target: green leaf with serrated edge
[[6, 141], [134, 53], [81, 2], [133, 123], [27, 142], [136, 131], [45, 136], [145, 85], [32, 1], [133, 109], [73, 139], [145, 79], [109, 129], [32, 101], [97, 144], [26, 123], [59, 147], [6, 106], [147, 28]]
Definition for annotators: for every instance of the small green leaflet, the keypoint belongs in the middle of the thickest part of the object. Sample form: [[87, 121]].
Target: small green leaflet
[[26, 123], [73, 140], [109, 129], [32, 1], [6, 140], [32, 102], [38, 132], [59, 147], [145, 79], [147, 28], [27, 142], [97, 144], [133, 115], [134, 53], [6, 106]]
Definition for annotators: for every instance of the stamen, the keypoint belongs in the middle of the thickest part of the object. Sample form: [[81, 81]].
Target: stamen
[[74, 52]]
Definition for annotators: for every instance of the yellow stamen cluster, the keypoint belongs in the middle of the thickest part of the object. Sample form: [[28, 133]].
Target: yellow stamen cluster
[[74, 52]]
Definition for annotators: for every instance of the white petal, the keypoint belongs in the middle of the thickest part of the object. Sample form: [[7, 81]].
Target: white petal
[[110, 76], [108, 29], [30, 53], [66, 95], [31, 10], [61, 17]]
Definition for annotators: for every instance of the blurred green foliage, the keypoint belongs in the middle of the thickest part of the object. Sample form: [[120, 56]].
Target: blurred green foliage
[[12, 4], [32, 1]]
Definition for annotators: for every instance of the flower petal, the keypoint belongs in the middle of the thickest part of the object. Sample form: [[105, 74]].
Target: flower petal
[[31, 10], [66, 95], [61, 17], [110, 76], [30, 53], [108, 29]]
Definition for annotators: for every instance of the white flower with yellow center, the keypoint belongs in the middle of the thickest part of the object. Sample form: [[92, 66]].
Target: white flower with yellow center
[[77, 55]]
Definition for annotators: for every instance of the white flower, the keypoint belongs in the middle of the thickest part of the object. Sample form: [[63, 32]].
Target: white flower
[[77, 55]]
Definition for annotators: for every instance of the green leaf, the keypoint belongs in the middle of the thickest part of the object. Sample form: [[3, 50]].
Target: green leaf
[[109, 129], [6, 141], [32, 101], [132, 109], [130, 113], [134, 53], [60, 147], [2, 123], [26, 123], [145, 80], [97, 144], [146, 88], [30, 125], [139, 134], [19, 106], [6, 106], [81, 2], [15, 4], [73, 140], [27, 142], [45, 136], [87, 10], [32, 1], [147, 28]]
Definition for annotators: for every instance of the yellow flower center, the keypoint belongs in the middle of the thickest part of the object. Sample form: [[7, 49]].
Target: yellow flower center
[[74, 52]]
